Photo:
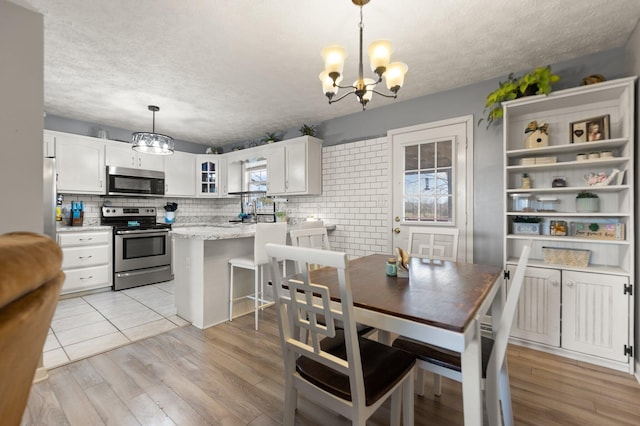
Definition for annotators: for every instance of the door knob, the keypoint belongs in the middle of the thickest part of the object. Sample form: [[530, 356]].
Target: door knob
[[396, 230], [397, 219]]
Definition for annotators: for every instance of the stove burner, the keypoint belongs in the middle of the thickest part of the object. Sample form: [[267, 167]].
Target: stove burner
[[140, 218]]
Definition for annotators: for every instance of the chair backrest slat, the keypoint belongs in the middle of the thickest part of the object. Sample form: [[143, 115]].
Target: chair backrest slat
[[311, 238], [433, 242]]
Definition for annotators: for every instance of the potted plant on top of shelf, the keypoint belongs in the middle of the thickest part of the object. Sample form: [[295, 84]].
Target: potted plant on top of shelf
[[587, 202], [536, 82], [270, 138], [306, 130]]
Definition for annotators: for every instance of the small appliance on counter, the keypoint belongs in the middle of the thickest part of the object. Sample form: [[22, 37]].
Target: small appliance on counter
[[170, 212], [76, 215]]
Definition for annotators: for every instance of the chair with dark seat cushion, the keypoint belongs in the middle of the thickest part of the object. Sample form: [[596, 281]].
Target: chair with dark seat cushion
[[334, 367], [30, 283], [494, 365]]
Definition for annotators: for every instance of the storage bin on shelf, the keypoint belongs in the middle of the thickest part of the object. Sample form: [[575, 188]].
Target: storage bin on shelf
[[565, 256]]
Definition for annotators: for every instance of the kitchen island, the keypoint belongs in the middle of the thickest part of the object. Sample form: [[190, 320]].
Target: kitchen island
[[201, 256], [201, 267]]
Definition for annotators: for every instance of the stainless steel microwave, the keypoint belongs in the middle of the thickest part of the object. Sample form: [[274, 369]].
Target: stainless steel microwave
[[134, 182]]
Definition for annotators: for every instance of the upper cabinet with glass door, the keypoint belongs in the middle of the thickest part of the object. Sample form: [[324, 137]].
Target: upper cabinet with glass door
[[208, 175]]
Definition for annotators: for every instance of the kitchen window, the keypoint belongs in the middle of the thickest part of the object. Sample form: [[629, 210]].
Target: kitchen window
[[256, 175]]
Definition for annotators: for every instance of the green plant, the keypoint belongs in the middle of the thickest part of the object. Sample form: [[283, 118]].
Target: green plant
[[527, 219], [281, 214], [307, 130], [270, 137], [540, 79], [586, 194]]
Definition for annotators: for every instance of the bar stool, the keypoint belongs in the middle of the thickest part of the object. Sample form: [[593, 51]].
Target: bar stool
[[265, 233]]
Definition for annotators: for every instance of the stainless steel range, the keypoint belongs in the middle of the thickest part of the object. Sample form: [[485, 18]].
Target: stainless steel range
[[141, 247]]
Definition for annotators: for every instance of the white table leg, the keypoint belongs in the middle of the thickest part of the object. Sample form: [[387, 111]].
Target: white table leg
[[472, 378]]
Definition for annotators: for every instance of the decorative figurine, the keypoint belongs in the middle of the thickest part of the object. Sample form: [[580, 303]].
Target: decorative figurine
[[539, 135]]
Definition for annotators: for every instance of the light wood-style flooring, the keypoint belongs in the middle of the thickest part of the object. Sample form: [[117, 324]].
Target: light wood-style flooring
[[233, 375]]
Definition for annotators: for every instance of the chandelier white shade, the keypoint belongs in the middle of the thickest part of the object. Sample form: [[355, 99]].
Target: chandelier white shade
[[152, 142], [364, 88]]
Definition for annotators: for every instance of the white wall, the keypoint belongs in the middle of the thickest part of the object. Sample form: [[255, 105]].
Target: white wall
[[21, 121]]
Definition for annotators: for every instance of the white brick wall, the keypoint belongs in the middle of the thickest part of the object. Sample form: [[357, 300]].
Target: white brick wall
[[355, 197]]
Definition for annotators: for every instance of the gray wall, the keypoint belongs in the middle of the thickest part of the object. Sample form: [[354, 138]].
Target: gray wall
[[21, 101], [487, 142], [633, 55]]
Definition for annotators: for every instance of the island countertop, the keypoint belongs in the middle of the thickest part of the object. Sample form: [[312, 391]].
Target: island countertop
[[220, 231], [214, 231]]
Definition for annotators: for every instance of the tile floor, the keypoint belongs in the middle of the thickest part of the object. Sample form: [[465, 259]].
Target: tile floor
[[87, 325]]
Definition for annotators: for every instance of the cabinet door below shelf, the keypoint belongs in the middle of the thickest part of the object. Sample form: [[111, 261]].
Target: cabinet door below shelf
[[537, 316], [595, 318]]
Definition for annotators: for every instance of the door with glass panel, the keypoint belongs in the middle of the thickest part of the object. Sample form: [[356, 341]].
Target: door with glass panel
[[431, 180]]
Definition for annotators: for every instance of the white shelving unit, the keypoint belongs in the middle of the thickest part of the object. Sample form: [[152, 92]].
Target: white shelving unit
[[583, 312]]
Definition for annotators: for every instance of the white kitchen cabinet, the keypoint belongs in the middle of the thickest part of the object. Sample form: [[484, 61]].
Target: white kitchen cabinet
[[80, 165], [294, 167], [179, 178], [208, 175], [582, 311], [48, 145], [234, 171], [121, 154], [87, 262]]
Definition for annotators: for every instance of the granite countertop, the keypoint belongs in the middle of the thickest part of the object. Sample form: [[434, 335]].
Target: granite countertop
[[223, 231], [220, 231], [83, 228]]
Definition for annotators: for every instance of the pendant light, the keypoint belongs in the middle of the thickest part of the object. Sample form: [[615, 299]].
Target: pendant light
[[152, 142], [363, 88]]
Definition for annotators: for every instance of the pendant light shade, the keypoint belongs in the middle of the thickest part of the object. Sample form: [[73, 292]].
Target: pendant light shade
[[152, 142]]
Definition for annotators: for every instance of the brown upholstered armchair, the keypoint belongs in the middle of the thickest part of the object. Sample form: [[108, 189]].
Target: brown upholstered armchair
[[30, 282]]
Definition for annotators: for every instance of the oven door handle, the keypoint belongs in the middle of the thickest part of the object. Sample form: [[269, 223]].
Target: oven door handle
[[147, 232]]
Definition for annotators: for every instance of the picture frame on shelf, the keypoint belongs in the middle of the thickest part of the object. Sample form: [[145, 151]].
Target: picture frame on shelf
[[589, 130]]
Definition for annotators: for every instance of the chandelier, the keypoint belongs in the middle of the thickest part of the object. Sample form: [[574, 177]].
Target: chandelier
[[363, 88], [152, 142]]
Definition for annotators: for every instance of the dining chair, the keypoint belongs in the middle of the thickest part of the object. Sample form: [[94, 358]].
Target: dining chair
[[437, 243], [494, 364], [430, 242], [336, 368], [317, 238], [265, 233], [311, 238]]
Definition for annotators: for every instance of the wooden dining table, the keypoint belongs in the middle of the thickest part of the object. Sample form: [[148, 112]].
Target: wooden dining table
[[441, 303]]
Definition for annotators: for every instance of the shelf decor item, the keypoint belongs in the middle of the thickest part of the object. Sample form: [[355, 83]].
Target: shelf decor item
[[536, 82], [538, 135], [589, 130], [598, 231], [528, 225], [587, 202]]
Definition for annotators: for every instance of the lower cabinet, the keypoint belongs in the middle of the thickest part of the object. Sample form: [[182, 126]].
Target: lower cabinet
[[578, 312], [86, 260]]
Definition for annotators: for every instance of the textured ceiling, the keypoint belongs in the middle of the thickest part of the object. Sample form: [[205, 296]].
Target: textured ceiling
[[224, 71]]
